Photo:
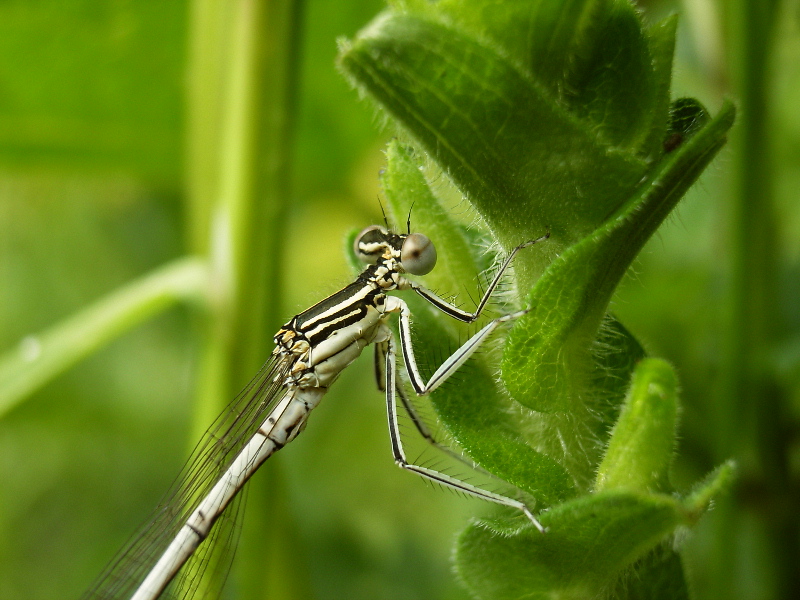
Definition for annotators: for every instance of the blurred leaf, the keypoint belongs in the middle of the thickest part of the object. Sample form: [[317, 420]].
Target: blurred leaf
[[92, 84]]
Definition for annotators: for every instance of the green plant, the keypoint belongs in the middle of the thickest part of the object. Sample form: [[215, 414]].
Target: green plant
[[110, 167], [551, 116]]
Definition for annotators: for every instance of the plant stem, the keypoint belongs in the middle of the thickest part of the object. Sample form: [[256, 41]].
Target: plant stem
[[41, 357], [248, 185], [242, 100], [751, 406], [207, 62]]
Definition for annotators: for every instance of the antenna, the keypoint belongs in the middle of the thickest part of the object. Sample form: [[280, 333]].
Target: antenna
[[408, 221]]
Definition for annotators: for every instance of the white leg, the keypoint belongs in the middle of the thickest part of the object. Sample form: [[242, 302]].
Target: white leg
[[465, 316], [455, 360], [381, 349], [402, 461]]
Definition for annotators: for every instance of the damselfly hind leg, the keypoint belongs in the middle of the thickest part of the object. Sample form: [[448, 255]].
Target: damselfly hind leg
[[448, 368], [419, 424]]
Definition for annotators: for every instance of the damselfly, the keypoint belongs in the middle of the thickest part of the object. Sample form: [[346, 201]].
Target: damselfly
[[311, 351]]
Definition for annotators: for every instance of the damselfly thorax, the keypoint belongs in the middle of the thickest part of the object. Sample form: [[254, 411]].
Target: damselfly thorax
[[319, 343]]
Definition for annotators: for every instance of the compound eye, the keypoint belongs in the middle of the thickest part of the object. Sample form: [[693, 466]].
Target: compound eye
[[418, 255], [370, 244]]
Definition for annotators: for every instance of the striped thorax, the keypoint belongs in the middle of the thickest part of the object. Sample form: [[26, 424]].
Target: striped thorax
[[320, 342]]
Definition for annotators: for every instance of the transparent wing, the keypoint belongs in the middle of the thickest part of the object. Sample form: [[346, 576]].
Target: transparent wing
[[214, 557], [208, 461]]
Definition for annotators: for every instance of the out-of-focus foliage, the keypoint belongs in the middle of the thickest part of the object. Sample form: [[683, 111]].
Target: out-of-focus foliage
[[92, 162]]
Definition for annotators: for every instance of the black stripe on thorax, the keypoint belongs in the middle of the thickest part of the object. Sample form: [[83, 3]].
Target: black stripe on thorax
[[338, 310]]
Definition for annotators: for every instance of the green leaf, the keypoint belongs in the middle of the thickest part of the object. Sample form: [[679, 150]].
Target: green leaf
[[597, 539], [717, 482], [482, 420], [520, 157], [549, 115], [94, 85], [474, 409], [533, 109], [595, 57], [548, 359], [591, 543], [543, 37], [588, 542], [640, 451], [662, 47], [613, 83], [657, 576], [464, 88]]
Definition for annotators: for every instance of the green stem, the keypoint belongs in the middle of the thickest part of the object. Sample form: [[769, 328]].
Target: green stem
[[253, 152], [41, 357], [751, 406], [753, 325], [209, 22], [240, 198]]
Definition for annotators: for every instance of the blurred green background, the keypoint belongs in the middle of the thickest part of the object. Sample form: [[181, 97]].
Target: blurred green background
[[93, 194]]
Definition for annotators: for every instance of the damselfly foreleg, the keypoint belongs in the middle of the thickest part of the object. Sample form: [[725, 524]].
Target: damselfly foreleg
[[462, 315], [453, 362]]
